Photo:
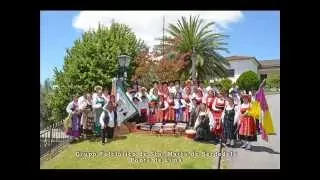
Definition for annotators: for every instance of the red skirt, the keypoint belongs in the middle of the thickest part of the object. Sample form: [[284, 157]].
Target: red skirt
[[186, 115], [171, 114], [144, 114], [161, 115], [247, 126], [217, 130]]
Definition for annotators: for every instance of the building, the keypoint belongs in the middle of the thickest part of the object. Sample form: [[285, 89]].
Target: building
[[241, 64]]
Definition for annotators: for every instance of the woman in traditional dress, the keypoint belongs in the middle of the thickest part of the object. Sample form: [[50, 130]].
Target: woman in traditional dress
[[210, 98], [98, 108], [154, 100], [162, 109], [95, 93], [172, 88], [199, 96], [187, 98], [218, 107], [113, 101], [106, 95], [180, 108], [193, 112], [229, 120], [202, 124], [144, 108], [73, 109], [247, 130], [165, 89], [142, 92], [203, 89], [171, 115], [87, 116]]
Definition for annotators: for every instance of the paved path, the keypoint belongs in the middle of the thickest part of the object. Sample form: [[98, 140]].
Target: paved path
[[264, 155]]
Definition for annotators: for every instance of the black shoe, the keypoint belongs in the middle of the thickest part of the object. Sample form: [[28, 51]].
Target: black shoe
[[103, 143]]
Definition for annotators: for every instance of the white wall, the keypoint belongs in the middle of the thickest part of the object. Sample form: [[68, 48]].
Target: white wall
[[241, 66]]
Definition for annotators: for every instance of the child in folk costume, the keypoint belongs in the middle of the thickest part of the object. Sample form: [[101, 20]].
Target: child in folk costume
[[162, 109], [97, 106], [73, 110], [153, 105], [247, 130], [218, 107], [180, 108], [229, 120], [170, 115]]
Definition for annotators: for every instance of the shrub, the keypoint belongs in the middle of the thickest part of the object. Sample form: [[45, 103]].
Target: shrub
[[248, 81], [273, 81]]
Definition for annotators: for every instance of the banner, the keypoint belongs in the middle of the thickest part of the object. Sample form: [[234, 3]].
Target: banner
[[126, 109]]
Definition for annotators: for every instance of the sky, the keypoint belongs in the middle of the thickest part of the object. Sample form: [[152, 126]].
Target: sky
[[251, 33]]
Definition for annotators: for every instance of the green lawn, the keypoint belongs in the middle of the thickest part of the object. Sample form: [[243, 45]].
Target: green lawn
[[146, 152]]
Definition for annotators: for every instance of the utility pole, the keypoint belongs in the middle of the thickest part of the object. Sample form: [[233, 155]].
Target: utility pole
[[163, 37]]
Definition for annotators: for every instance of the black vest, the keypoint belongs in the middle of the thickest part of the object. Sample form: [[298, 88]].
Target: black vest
[[107, 118]]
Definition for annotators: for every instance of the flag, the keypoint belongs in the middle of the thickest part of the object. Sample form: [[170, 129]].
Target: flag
[[125, 108]]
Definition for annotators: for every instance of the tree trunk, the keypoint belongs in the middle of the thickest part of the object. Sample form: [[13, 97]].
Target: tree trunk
[[193, 65]]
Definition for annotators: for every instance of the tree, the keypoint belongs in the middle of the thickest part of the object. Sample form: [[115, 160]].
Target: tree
[[226, 84], [248, 81], [195, 38], [163, 69], [273, 81], [45, 112], [145, 69], [93, 60]]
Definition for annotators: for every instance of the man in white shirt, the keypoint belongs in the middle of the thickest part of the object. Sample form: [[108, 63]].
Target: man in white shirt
[[108, 121]]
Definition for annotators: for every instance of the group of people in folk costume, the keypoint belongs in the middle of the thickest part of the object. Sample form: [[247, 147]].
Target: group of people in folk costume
[[212, 114], [93, 114]]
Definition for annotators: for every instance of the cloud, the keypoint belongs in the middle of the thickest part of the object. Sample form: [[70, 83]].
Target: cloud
[[148, 25]]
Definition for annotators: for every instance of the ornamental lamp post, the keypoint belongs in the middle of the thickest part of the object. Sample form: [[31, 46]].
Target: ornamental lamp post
[[124, 62]]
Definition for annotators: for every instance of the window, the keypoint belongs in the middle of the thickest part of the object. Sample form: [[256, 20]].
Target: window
[[230, 72], [263, 76]]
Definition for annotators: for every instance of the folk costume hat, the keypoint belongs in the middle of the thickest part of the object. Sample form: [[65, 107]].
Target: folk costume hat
[[97, 88], [209, 88]]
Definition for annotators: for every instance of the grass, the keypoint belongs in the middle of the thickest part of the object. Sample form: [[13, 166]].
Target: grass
[[151, 152]]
